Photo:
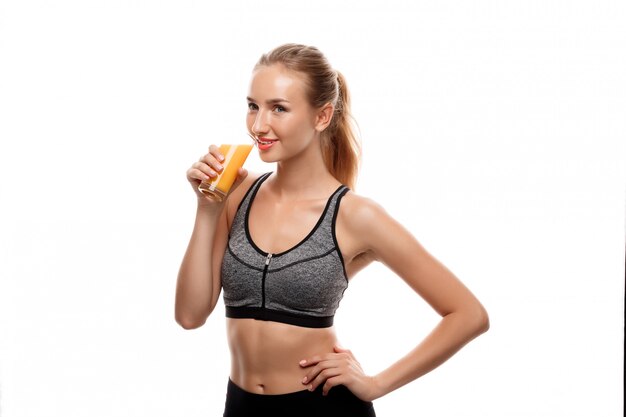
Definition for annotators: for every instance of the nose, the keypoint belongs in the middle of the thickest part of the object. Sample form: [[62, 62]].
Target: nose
[[260, 124]]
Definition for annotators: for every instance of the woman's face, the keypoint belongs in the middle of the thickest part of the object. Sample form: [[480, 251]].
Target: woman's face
[[280, 119]]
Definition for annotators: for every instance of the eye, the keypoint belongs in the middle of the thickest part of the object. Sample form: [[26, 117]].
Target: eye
[[252, 106], [279, 109]]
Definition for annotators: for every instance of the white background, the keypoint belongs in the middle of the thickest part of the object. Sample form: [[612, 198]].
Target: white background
[[493, 130]]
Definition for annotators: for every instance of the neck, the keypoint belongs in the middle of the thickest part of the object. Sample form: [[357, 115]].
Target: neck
[[304, 176]]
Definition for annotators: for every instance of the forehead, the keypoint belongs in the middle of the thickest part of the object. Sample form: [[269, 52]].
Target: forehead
[[275, 81]]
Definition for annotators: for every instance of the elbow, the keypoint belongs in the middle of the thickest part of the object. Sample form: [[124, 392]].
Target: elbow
[[474, 320], [191, 317], [480, 320], [189, 322]]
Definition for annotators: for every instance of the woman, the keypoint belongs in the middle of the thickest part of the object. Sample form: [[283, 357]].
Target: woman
[[284, 245]]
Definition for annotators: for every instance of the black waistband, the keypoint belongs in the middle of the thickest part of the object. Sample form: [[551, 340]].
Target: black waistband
[[267, 314], [339, 401]]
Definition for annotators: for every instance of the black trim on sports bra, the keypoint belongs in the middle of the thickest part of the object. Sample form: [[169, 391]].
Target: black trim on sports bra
[[266, 314], [253, 187], [317, 224], [334, 231]]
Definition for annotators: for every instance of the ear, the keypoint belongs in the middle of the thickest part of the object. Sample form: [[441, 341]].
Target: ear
[[324, 116]]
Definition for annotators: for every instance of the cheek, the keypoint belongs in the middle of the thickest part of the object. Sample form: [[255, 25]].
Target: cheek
[[250, 119], [297, 126]]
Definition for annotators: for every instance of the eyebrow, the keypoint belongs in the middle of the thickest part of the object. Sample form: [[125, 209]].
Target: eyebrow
[[271, 101]]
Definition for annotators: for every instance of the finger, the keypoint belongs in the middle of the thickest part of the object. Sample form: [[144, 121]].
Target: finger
[[311, 361], [317, 359], [204, 168], [197, 175], [320, 368], [331, 382], [213, 149], [212, 161], [242, 173], [323, 376], [339, 349]]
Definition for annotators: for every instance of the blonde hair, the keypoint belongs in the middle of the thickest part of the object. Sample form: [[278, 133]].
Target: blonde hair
[[341, 149]]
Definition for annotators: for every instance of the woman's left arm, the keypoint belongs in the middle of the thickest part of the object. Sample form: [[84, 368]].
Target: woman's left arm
[[383, 239]]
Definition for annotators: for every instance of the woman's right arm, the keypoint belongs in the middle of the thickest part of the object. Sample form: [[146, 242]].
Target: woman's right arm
[[198, 286]]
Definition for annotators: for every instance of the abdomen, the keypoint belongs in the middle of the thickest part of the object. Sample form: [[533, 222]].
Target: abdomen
[[265, 355]]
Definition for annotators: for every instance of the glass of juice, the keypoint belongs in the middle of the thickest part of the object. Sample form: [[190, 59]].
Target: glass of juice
[[218, 187]]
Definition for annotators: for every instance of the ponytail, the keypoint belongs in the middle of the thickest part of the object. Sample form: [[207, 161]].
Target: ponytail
[[340, 145]]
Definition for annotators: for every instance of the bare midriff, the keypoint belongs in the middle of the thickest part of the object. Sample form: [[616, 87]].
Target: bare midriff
[[266, 355]]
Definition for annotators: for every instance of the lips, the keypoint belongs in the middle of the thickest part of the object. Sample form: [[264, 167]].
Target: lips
[[265, 141], [263, 144]]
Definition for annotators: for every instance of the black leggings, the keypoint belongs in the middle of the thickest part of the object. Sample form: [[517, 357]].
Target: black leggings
[[339, 402]]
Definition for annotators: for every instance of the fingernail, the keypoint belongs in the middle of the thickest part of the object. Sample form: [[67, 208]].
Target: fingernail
[[304, 380], [219, 167], [310, 387], [221, 157], [302, 362]]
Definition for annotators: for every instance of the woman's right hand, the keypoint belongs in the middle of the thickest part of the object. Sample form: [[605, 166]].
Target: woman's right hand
[[209, 166]]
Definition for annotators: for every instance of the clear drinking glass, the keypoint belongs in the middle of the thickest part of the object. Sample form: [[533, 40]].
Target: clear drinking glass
[[218, 187]]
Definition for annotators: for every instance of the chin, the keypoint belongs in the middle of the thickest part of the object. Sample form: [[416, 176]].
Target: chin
[[265, 157]]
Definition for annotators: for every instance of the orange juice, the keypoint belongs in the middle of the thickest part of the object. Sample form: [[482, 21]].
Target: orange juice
[[234, 156]]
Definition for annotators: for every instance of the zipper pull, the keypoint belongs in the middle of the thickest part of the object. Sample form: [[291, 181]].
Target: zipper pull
[[267, 260]]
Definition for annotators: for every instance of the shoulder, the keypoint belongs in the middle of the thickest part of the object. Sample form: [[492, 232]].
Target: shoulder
[[364, 218], [358, 211], [362, 227], [374, 231]]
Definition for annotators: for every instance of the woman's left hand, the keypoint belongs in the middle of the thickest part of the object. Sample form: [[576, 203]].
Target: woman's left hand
[[339, 368]]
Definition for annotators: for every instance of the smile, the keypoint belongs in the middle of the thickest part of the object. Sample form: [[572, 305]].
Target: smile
[[265, 141]]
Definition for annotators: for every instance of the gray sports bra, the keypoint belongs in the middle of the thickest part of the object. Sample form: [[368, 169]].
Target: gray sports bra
[[301, 286]]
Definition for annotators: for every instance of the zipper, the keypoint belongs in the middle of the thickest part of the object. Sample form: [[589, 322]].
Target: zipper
[[267, 265]]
